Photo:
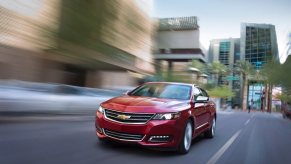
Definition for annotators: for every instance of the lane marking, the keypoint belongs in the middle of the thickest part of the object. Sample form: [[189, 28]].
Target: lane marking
[[221, 151], [247, 121]]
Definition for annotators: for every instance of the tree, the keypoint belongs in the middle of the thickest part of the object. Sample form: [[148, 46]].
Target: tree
[[277, 74], [245, 69], [94, 32], [217, 69], [200, 66], [280, 75], [221, 92]]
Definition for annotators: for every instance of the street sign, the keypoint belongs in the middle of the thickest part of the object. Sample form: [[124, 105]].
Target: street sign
[[232, 78]]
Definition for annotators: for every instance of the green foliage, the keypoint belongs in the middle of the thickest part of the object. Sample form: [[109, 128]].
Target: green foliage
[[278, 74], [282, 76], [245, 68], [202, 67], [218, 68], [221, 92], [177, 78], [208, 86], [90, 31], [284, 97], [270, 72], [81, 21]]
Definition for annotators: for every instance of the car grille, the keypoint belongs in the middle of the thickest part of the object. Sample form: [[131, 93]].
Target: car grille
[[129, 118], [123, 136]]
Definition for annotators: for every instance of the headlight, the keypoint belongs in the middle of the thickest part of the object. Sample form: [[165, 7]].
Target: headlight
[[166, 116], [100, 109]]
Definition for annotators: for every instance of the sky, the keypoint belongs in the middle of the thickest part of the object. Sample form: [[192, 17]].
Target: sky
[[222, 18]]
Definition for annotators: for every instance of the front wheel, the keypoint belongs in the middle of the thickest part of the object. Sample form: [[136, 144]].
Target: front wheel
[[186, 141], [211, 132]]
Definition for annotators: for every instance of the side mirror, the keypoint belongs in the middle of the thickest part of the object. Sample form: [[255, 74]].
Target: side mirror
[[126, 93], [201, 99]]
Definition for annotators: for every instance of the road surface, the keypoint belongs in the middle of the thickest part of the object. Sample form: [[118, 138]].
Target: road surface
[[240, 138]]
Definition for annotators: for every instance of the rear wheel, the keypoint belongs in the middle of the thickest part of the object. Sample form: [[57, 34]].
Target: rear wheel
[[211, 132], [186, 141]]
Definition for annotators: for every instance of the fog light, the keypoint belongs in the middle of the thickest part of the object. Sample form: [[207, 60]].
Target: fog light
[[159, 139], [98, 129]]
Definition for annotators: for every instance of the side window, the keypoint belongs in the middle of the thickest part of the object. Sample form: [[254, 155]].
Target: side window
[[196, 92], [204, 93]]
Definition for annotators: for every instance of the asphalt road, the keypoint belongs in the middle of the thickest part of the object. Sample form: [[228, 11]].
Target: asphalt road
[[258, 138]]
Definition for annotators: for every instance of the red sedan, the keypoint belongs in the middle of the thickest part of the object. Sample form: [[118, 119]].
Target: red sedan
[[159, 115]]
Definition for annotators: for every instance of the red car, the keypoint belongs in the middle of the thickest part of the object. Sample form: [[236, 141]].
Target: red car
[[158, 115], [286, 109]]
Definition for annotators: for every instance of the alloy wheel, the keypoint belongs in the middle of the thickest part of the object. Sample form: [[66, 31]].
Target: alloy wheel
[[213, 127], [188, 136]]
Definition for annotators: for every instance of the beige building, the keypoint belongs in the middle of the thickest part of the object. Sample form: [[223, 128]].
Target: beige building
[[177, 44], [23, 39], [32, 46]]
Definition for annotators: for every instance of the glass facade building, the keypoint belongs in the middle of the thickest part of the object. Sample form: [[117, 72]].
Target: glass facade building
[[258, 43], [224, 52], [227, 52], [258, 46]]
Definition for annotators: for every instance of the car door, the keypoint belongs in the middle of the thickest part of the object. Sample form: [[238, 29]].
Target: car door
[[198, 110], [207, 107]]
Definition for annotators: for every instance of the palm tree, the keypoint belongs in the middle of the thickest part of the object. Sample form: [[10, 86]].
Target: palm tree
[[201, 66], [218, 69], [245, 68]]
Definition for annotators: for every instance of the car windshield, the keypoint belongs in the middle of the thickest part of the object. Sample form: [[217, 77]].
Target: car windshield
[[168, 91]]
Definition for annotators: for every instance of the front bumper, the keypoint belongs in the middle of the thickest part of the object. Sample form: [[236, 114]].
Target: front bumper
[[155, 133]]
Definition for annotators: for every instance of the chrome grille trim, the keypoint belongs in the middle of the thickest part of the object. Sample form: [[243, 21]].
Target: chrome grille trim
[[123, 136], [135, 118]]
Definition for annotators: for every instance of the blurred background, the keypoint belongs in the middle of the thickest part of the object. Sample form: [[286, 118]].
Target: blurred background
[[61, 46], [83, 43], [59, 59], [73, 48]]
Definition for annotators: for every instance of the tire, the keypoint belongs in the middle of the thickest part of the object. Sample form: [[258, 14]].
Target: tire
[[211, 132], [186, 141]]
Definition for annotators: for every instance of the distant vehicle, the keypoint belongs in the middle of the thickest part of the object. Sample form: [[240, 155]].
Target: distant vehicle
[[158, 115], [286, 110]]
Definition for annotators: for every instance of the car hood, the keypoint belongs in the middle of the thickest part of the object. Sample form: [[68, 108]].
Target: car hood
[[138, 104]]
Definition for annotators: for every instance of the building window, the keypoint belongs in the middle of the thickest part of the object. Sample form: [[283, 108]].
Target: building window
[[224, 52]]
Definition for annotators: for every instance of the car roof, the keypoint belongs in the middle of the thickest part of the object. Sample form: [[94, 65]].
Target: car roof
[[176, 83]]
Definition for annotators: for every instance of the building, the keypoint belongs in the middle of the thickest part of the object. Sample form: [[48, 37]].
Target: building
[[258, 46], [227, 52], [258, 43], [23, 39], [177, 44], [61, 41]]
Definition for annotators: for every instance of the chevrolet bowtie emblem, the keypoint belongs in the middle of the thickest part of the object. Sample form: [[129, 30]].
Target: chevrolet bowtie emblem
[[123, 117]]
